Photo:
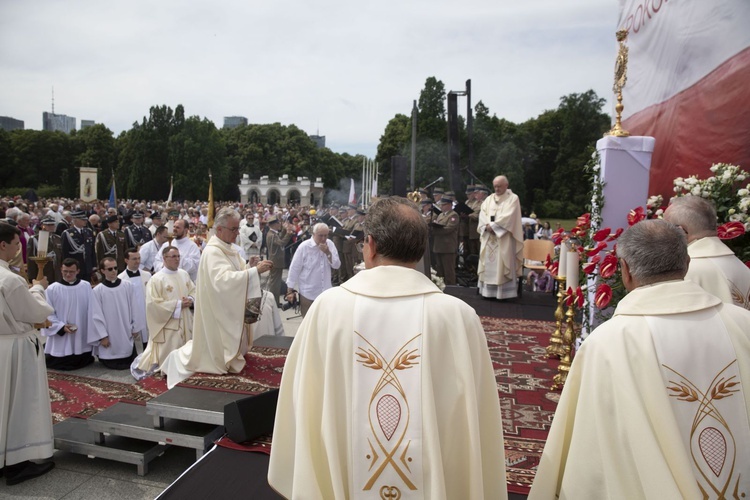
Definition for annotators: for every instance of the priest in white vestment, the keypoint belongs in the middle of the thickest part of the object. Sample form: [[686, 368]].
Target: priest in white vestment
[[713, 265], [139, 278], [656, 402], [501, 240], [170, 295], [388, 390], [25, 414], [225, 283], [112, 323], [190, 254], [67, 346]]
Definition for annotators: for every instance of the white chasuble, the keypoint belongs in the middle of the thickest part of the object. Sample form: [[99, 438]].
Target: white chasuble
[[702, 379], [387, 406], [71, 304], [714, 267], [501, 250]]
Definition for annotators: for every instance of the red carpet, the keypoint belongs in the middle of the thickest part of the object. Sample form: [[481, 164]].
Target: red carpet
[[524, 375]]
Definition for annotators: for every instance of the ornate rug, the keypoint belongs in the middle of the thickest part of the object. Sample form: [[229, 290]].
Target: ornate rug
[[81, 397], [524, 376], [261, 373]]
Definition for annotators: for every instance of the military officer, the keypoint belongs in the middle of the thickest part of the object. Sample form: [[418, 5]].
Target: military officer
[[277, 239], [111, 243], [78, 244], [445, 241], [349, 245], [137, 234], [54, 252]]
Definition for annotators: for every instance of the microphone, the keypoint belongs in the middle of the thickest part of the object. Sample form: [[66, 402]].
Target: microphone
[[428, 186]]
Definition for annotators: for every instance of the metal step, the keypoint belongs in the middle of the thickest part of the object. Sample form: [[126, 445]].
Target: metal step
[[133, 421], [74, 435], [194, 405]]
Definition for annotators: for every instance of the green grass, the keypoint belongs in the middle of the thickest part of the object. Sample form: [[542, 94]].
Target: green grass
[[568, 224]]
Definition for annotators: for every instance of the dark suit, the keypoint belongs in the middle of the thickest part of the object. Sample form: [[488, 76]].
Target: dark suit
[[79, 244], [137, 236]]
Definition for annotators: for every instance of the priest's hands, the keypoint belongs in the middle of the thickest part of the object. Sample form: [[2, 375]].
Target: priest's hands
[[104, 342], [186, 302], [263, 266]]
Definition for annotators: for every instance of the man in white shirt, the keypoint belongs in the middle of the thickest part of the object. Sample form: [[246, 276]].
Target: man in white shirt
[[149, 250], [310, 271], [190, 254]]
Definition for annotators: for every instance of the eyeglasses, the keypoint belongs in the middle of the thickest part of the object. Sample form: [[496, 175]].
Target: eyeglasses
[[110, 269]]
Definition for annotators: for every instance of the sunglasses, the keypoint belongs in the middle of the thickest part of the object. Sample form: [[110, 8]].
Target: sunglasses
[[110, 269]]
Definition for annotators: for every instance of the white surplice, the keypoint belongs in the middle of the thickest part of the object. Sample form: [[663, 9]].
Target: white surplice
[[501, 251], [111, 314], [140, 283], [219, 333], [25, 414], [641, 393], [190, 256], [148, 253], [71, 307], [718, 271], [388, 388], [270, 318]]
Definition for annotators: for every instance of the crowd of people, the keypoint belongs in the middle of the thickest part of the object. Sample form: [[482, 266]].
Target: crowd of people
[[388, 386]]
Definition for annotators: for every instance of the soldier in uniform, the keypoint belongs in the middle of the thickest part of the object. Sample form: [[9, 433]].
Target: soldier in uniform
[[360, 237], [445, 241], [349, 246], [437, 194], [78, 244], [54, 252], [463, 219], [475, 203], [137, 234], [338, 242], [111, 243], [277, 239]]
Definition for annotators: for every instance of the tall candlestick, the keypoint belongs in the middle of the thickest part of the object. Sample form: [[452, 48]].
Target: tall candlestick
[[41, 250], [571, 274], [562, 268]]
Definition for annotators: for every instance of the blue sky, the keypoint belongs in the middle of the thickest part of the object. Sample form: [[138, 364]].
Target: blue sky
[[341, 67]]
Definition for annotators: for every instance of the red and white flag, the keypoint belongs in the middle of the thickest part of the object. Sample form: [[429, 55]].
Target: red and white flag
[[688, 73], [352, 194]]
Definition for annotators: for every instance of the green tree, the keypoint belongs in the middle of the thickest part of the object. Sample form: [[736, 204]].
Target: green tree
[[194, 151], [95, 148]]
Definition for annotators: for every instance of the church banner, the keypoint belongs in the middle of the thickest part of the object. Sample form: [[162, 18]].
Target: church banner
[[688, 68], [88, 184]]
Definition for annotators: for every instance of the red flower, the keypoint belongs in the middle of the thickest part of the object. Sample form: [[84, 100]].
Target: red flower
[[579, 298], [617, 234], [608, 267], [747, 263], [584, 221], [635, 216], [602, 234], [569, 296], [554, 268], [578, 231], [548, 262], [730, 230], [590, 266], [557, 236], [603, 296], [598, 248]]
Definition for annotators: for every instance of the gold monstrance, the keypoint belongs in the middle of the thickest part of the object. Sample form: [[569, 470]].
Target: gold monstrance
[[621, 78]]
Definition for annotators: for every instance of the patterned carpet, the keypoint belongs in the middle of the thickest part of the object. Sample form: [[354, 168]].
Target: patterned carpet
[[524, 375], [517, 349]]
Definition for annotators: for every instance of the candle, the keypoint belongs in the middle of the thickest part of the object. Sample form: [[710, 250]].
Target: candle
[[562, 269], [170, 226], [41, 250], [572, 270]]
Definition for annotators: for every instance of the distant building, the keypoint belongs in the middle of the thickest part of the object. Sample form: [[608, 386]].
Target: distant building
[[87, 123], [234, 121], [8, 123], [320, 140], [53, 122]]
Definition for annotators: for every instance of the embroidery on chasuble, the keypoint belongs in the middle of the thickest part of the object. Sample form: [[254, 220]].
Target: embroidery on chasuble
[[387, 397], [702, 379]]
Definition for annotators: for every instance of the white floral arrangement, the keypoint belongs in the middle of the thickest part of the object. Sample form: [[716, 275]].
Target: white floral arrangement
[[439, 282]]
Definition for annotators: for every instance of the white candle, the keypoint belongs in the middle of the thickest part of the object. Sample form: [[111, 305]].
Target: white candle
[[572, 270], [41, 251], [170, 226], [561, 269]]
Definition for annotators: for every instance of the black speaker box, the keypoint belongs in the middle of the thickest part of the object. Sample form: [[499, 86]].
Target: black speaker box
[[249, 418]]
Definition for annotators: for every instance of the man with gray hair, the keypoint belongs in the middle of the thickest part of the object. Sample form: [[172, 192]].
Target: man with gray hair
[[310, 270], [713, 265], [225, 284], [654, 405], [388, 390]]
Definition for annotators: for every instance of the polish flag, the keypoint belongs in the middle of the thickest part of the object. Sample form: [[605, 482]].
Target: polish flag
[[688, 74]]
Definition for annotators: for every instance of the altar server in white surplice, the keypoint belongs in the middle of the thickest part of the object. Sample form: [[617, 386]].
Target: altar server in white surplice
[[67, 346], [112, 323], [170, 295], [388, 390], [139, 278], [225, 283], [501, 242], [656, 401], [713, 265], [25, 414], [190, 253]]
